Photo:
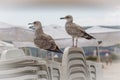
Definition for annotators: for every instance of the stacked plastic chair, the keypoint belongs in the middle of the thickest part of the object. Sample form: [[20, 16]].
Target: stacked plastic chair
[[54, 70], [95, 70], [74, 66], [15, 65]]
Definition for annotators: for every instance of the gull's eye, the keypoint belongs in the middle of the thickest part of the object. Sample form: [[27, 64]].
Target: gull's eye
[[34, 22], [67, 16]]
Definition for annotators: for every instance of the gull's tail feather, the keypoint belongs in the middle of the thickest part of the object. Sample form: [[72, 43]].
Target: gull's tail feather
[[58, 50], [87, 36], [55, 50]]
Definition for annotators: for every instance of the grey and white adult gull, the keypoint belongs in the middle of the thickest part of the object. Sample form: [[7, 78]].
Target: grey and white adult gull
[[75, 30], [43, 40]]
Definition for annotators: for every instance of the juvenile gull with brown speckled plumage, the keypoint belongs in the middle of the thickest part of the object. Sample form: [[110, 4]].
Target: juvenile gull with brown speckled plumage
[[43, 40], [75, 30]]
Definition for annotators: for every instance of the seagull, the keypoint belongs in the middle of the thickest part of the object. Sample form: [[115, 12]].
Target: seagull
[[75, 30], [43, 40]]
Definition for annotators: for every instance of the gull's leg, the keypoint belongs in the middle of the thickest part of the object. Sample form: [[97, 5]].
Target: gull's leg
[[72, 41], [76, 42], [47, 55]]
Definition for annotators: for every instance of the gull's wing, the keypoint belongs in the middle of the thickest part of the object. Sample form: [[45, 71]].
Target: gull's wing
[[80, 32], [53, 47], [46, 42]]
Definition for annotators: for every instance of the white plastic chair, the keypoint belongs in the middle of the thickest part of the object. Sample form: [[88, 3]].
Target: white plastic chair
[[72, 58]]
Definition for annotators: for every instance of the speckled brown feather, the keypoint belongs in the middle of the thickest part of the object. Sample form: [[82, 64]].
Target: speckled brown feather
[[45, 41], [77, 31]]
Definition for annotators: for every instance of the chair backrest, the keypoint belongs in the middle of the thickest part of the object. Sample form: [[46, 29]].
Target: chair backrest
[[95, 70], [74, 65], [54, 70], [12, 53]]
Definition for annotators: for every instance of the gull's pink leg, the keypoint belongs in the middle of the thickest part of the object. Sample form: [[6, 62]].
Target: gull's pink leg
[[76, 42], [72, 41]]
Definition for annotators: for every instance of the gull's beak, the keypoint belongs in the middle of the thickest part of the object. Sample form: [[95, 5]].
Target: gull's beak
[[31, 27], [62, 18], [30, 23]]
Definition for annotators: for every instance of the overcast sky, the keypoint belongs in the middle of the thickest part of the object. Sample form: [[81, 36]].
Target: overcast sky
[[50, 15]]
